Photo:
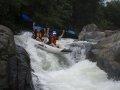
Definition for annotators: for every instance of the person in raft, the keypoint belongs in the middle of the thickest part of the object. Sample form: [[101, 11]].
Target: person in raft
[[53, 37], [45, 35], [39, 31]]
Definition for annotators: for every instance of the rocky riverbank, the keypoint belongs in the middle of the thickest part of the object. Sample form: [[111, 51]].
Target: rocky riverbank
[[107, 50], [15, 71]]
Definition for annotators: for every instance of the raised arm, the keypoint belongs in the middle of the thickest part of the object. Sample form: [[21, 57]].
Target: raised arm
[[63, 32]]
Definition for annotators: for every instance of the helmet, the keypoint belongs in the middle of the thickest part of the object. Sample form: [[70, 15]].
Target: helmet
[[54, 33]]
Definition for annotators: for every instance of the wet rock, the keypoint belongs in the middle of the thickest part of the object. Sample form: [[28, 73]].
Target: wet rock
[[15, 71], [91, 33], [90, 28], [107, 55], [7, 49], [109, 33]]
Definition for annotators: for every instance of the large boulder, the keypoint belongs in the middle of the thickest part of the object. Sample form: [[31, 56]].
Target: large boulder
[[19, 71], [109, 33], [7, 49], [15, 71], [90, 28], [91, 33], [107, 55]]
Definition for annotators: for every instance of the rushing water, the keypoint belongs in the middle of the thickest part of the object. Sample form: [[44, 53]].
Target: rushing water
[[64, 72]]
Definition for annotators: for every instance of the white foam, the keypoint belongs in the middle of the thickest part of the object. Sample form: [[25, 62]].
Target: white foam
[[83, 75]]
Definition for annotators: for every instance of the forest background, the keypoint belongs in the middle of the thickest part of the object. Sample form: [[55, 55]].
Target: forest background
[[61, 13]]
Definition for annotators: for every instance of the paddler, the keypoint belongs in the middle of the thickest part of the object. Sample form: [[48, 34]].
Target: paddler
[[53, 36]]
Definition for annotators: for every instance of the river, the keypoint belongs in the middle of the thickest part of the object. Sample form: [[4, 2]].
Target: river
[[64, 71]]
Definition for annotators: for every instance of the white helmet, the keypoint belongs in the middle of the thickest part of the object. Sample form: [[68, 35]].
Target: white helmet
[[54, 33]]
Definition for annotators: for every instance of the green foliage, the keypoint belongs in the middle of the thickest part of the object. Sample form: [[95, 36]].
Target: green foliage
[[112, 12], [53, 12], [9, 13], [107, 16], [104, 24], [60, 12], [84, 11]]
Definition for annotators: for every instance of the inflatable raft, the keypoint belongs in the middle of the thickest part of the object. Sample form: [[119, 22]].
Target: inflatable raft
[[56, 50]]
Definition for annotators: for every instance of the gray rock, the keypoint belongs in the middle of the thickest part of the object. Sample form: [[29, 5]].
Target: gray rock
[[91, 33], [90, 28], [107, 55], [7, 49], [109, 33], [15, 70]]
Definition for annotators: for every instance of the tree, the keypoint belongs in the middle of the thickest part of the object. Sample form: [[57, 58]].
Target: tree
[[112, 12], [53, 12], [84, 12], [9, 12]]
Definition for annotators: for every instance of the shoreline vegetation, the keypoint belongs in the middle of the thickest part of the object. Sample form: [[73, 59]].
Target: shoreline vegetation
[[60, 13]]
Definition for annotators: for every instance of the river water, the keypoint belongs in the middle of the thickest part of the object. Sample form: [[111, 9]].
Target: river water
[[64, 71]]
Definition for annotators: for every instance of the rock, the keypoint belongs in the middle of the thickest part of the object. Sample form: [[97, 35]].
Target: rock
[[107, 55], [7, 49], [90, 28], [6, 42], [20, 75], [15, 71], [91, 33], [109, 33]]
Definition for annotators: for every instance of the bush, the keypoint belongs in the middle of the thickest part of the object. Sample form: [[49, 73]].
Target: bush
[[104, 24]]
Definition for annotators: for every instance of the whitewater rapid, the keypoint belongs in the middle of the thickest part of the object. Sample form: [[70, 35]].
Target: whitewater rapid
[[64, 72]]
